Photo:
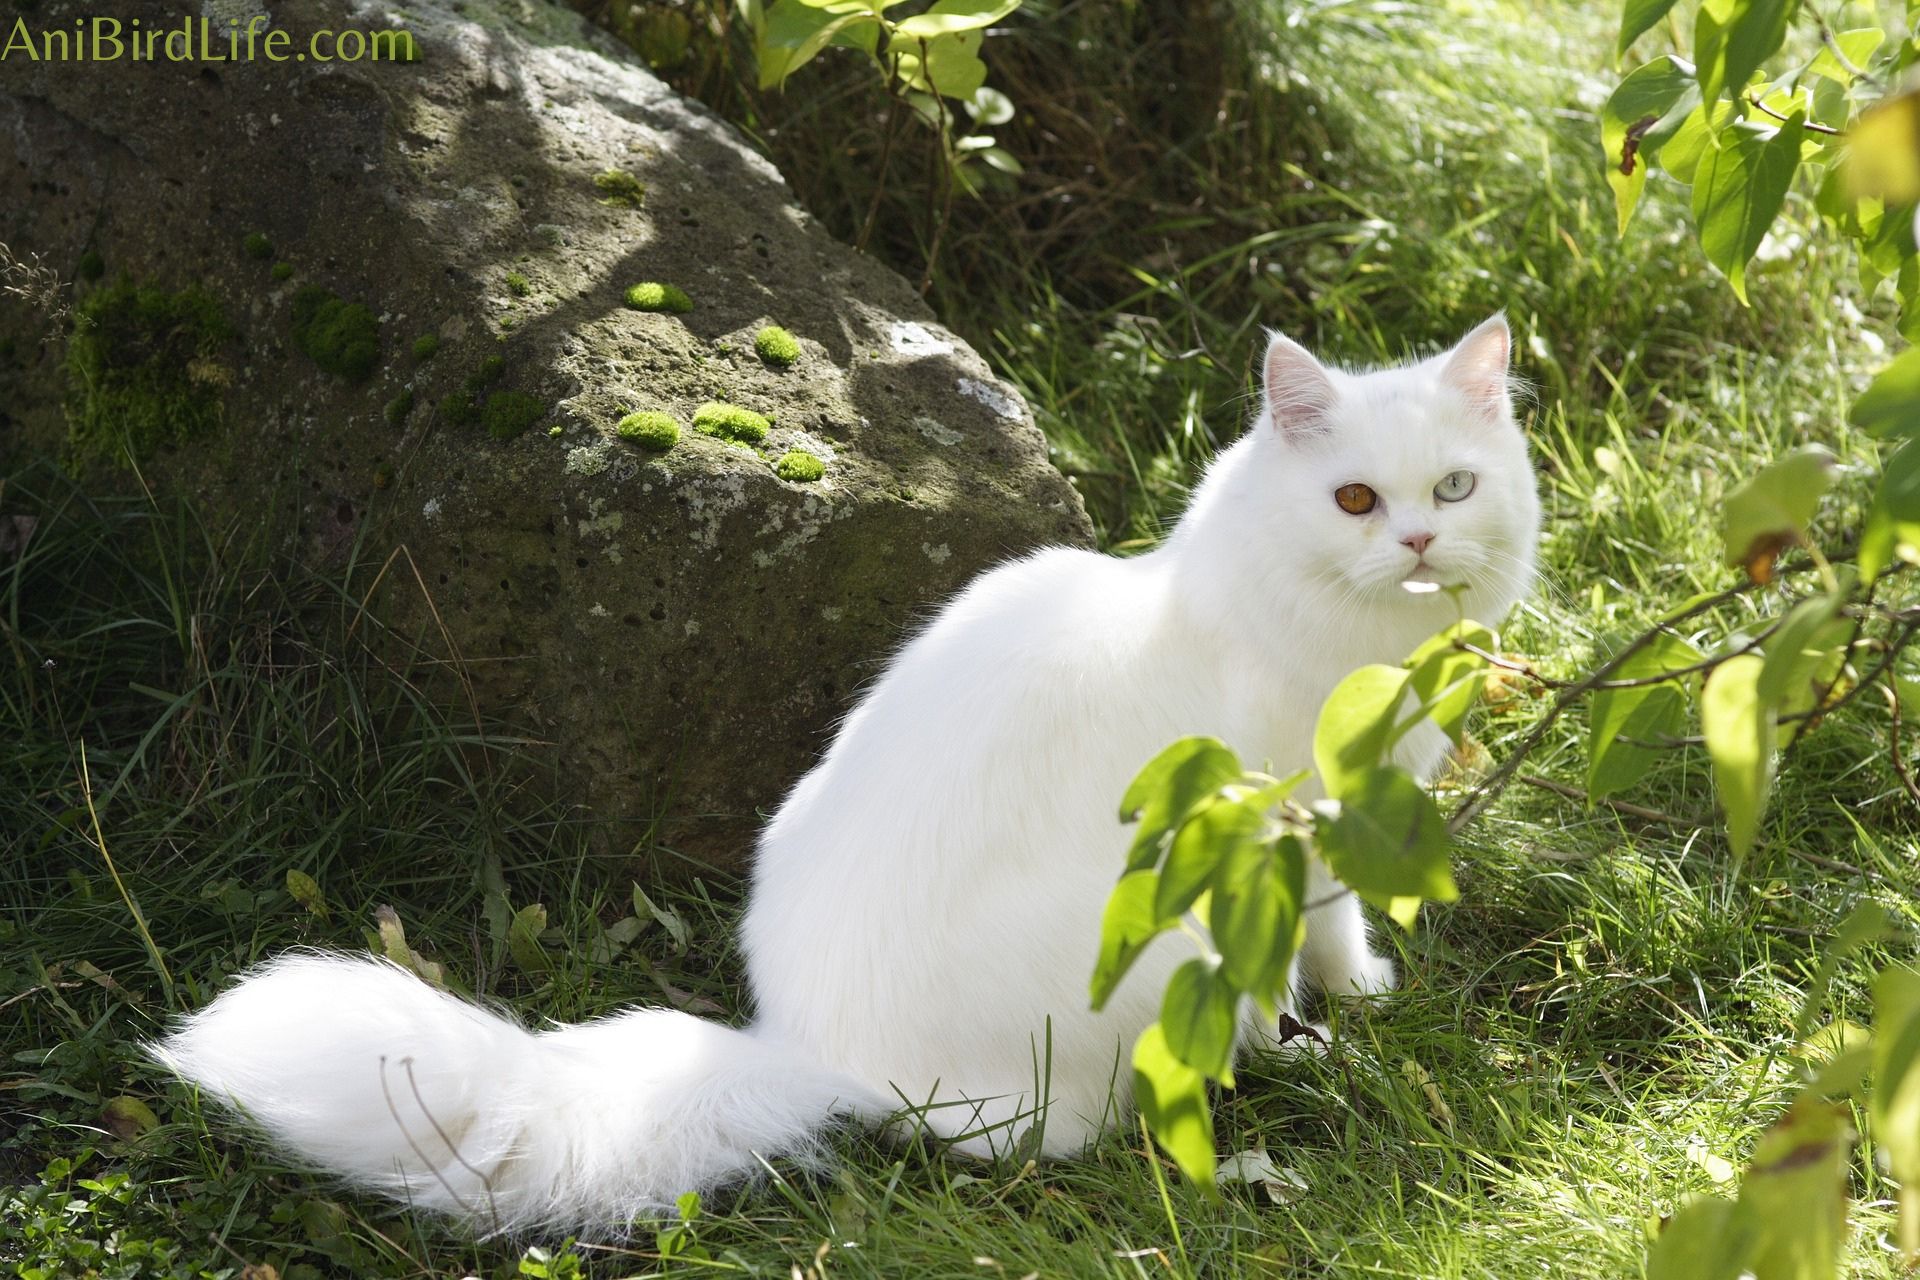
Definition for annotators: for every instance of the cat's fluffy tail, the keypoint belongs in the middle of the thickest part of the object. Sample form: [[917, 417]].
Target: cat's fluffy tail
[[362, 1069]]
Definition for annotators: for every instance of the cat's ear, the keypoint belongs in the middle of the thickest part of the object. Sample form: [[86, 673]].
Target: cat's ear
[[1299, 392], [1477, 365]]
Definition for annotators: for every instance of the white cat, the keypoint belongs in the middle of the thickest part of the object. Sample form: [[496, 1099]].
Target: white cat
[[926, 904]]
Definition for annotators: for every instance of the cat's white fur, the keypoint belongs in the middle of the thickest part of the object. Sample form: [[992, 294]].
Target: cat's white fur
[[925, 906]]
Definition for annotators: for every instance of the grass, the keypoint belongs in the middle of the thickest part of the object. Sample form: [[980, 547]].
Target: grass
[[1604, 1016]]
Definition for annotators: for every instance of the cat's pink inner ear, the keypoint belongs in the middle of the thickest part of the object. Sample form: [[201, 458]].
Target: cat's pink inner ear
[[1299, 392], [1477, 367]]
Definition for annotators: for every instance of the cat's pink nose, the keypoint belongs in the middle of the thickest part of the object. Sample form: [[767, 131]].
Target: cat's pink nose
[[1418, 541]]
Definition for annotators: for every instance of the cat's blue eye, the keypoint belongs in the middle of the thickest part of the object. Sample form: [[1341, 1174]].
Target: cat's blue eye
[[1454, 486]]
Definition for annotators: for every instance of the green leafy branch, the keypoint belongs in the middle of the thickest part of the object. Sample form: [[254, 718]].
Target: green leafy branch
[[1220, 853], [931, 68]]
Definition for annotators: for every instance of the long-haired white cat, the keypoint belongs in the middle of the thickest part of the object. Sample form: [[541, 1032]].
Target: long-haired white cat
[[926, 904]]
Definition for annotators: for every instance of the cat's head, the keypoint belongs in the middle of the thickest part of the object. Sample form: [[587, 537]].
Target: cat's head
[[1415, 474]]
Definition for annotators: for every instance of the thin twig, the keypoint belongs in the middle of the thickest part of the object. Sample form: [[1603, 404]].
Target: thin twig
[[1893, 743], [1619, 806], [1497, 781], [1808, 125]]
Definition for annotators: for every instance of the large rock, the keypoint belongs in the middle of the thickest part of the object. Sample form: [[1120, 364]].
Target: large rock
[[685, 627]]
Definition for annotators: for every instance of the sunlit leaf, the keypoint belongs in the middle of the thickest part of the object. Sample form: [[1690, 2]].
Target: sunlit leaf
[[796, 31], [1630, 133], [1857, 46], [1643, 714], [1172, 1098], [1636, 19], [950, 17], [1446, 678], [1890, 406], [1892, 528], [1199, 847], [1385, 839], [1199, 1016], [1896, 1089], [1738, 188], [1739, 730], [1680, 157], [1706, 1240], [1803, 649], [1794, 1194], [1357, 723], [1771, 512], [1185, 775], [1126, 927], [952, 65], [1732, 38], [1257, 915]]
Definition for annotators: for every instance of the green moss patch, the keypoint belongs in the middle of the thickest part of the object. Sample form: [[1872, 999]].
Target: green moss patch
[[256, 245], [618, 187], [507, 414], [730, 422], [399, 407], [651, 430], [458, 409], [341, 337], [518, 284], [776, 346], [486, 373], [651, 295], [799, 466], [424, 347], [282, 271], [141, 371]]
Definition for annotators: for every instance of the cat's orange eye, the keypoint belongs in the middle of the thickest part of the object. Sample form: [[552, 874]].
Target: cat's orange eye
[[1355, 499]]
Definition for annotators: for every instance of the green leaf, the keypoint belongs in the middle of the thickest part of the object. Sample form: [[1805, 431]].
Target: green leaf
[[1890, 406], [1126, 927], [1357, 723], [1173, 784], [1800, 652], [1770, 512], [1646, 713], [1445, 678], [1636, 19], [1740, 736], [1629, 135], [1385, 840], [1738, 188], [1172, 1098], [1896, 1089], [305, 890], [1680, 156], [1892, 529], [1705, 1240], [1793, 1199], [950, 17], [523, 940], [1258, 915], [1866, 923], [952, 66], [1733, 37], [1202, 843], [1858, 46], [1199, 1017], [796, 31]]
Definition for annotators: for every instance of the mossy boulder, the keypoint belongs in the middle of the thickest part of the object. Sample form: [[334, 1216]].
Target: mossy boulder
[[682, 628]]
